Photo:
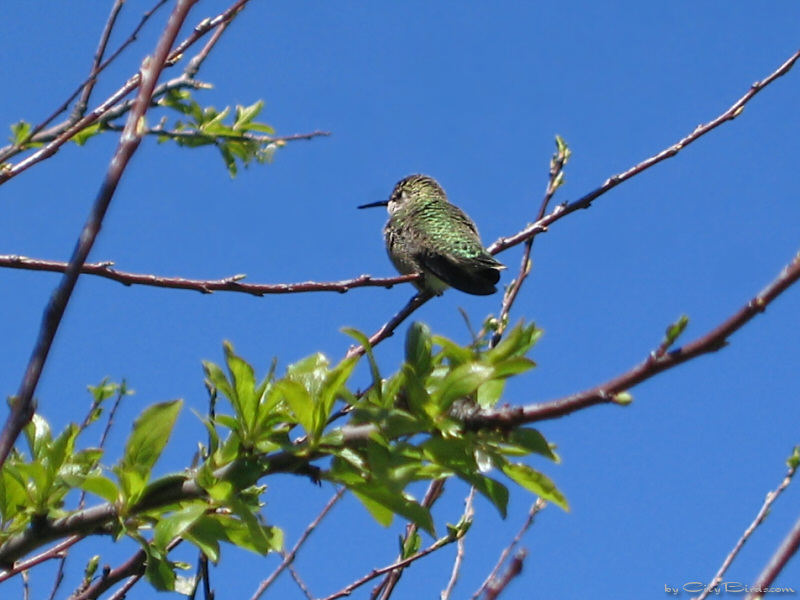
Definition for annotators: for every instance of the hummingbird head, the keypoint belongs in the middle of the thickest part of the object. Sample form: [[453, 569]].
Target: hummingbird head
[[413, 187]]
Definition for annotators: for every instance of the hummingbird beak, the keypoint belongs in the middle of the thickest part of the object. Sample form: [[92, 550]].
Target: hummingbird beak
[[374, 204]]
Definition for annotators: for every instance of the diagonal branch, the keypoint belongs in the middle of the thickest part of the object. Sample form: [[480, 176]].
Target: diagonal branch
[[37, 134], [779, 560], [716, 339], [734, 111], [23, 405], [555, 180], [762, 514], [65, 133]]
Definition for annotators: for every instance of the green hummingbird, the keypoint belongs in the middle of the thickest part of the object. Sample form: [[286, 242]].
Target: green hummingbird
[[427, 234]]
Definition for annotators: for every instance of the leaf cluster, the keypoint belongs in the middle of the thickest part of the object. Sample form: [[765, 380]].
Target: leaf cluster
[[403, 429]]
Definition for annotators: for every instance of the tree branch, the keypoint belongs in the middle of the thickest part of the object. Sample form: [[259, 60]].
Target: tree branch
[[762, 514], [65, 132], [536, 507], [734, 111], [205, 286], [23, 405], [90, 521], [714, 340], [779, 560]]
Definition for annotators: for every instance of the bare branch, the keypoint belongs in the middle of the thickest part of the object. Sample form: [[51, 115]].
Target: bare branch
[[56, 551], [762, 514], [535, 508], [288, 558], [556, 178], [777, 563], [80, 107], [228, 284], [70, 129], [349, 589], [469, 512], [385, 588], [515, 568], [23, 405], [387, 330], [734, 111], [607, 392]]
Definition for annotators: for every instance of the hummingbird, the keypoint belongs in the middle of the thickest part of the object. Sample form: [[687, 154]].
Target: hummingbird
[[427, 234]]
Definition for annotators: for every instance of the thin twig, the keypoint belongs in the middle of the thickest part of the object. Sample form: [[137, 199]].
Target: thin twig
[[387, 329], [734, 111], [469, 513], [49, 554], [554, 181], [23, 406], [300, 583], [776, 564], [37, 134], [762, 514], [70, 129], [194, 134], [349, 589], [499, 585], [388, 584], [289, 557], [534, 510], [80, 106]]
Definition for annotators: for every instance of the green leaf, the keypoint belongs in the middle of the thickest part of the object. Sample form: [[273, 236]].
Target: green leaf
[[517, 342], [373, 366], [794, 460], [245, 114], [82, 136], [535, 482], [411, 545], [174, 525], [206, 534], [381, 503], [416, 396], [300, 402], [158, 569], [150, 434], [492, 490], [490, 392], [452, 351], [244, 384], [310, 372], [531, 441], [101, 486], [462, 382], [419, 349], [332, 387], [253, 536], [19, 132], [513, 366], [216, 377]]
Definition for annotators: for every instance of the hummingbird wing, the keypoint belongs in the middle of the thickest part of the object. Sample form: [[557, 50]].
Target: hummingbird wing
[[477, 275]]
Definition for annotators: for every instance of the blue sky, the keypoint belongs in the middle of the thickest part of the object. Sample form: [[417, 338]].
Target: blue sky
[[472, 94]]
